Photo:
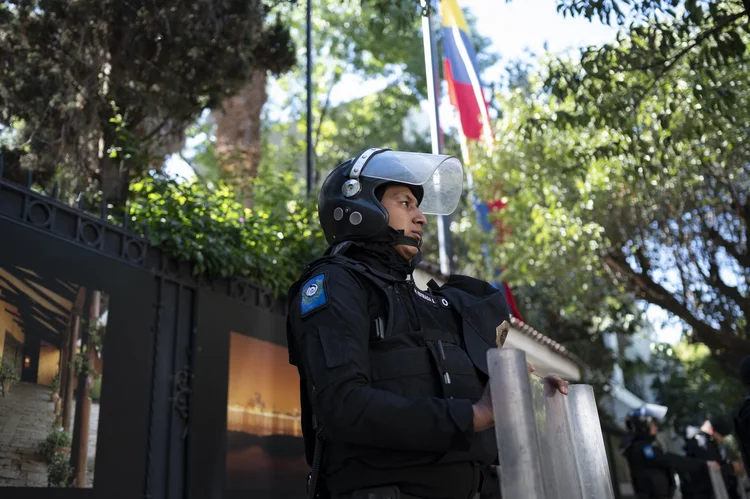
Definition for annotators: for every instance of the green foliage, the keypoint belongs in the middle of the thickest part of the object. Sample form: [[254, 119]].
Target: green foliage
[[130, 74], [206, 225], [96, 389], [693, 385], [658, 37], [653, 203], [60, 472], [8, 373], [55, 383], [56, 438], [372, 40]]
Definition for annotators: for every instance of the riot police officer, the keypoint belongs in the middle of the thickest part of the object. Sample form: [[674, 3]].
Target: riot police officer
[[394, 379], [652, 470], [706, 444]]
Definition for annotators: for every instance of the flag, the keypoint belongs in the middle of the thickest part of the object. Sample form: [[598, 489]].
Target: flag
[[460, 69], [465, 92]]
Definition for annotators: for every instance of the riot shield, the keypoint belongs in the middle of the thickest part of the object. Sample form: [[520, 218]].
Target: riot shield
[[550, 446], [717, 482]]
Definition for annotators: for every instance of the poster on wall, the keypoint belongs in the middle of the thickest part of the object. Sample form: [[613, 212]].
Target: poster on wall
[[265, 451], [51, 362]]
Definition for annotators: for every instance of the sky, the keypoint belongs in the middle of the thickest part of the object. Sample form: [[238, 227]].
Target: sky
[[515, 28]]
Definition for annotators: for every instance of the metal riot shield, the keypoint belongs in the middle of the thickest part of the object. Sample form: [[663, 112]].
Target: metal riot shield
[[717, 482], [550, 446]]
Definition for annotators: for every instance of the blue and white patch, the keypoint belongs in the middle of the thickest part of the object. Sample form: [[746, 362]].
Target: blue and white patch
[[648, 451], [313, 295]]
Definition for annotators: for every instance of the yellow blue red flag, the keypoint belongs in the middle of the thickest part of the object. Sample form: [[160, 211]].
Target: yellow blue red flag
[[460, 68]]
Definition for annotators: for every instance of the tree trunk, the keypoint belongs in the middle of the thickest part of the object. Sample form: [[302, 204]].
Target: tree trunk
[[238, 134], [114, 175], [82, 424]]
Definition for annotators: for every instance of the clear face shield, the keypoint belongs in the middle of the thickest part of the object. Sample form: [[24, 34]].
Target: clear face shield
[[440, 176], [658, 412]]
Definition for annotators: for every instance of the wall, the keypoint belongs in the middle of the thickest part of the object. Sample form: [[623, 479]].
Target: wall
[[49, 359], [7, 326]]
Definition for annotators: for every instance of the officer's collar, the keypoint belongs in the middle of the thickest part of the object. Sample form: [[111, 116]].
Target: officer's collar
[[384, 258]]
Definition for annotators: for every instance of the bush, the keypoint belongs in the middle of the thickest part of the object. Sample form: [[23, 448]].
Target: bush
[[8, 373], [59, 472], [55, 383], [96, 390], [205, 224], [57, 438]]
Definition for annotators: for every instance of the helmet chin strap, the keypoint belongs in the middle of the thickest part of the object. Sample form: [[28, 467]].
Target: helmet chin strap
[[399, 238]]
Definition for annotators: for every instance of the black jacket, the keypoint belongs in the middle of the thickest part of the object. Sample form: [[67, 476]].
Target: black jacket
[[395, 372], [652, 470], [698, 483]]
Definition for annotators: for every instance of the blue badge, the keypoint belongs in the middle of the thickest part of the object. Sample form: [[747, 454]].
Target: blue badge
[[313, 294], [648, 451]]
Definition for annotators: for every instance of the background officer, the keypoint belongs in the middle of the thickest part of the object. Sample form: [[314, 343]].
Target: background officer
[[652, 469], [395, 398], [705, 445]]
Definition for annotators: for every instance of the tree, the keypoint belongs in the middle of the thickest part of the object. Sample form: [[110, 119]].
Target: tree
[[655, 201], [692, 385], [101, 90], [351, 33], [659, 36], [370, 39]]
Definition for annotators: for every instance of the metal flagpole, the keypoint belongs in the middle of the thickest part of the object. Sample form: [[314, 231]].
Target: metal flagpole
[[310, 159], [430, 61]]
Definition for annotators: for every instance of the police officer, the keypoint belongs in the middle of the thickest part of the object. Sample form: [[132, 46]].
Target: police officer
[[396, 381], [705, 445], [742, 418], [652, 470]]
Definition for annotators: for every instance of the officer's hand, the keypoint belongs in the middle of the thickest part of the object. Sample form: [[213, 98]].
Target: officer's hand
[[530, 367], [560, 383], [484, 416], [714, 465]]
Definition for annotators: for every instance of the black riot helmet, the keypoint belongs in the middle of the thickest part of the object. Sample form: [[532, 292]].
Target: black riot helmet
[[639, 421], [349, 204]]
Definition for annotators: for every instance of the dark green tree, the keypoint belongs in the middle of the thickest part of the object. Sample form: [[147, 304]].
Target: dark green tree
[[100, 90]]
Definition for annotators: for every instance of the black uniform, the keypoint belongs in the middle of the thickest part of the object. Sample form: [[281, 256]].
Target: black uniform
[[653, 470], [393, 372], [742, 430], [698, 484]]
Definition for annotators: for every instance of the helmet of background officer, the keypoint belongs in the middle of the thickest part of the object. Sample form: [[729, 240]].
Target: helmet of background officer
[[645, 421], [717, 427], [382, 195], [641, 424]]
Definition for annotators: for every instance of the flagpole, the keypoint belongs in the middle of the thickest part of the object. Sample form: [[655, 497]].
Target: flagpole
[[310, 166], [430, 56]]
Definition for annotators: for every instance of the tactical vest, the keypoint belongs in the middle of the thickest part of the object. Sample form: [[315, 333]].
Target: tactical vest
[[447, 363]]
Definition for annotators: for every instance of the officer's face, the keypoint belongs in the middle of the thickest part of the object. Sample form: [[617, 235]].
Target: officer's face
[[404, 214]]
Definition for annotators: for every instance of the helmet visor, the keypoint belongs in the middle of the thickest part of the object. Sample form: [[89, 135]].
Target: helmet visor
[[656, 411], [440, 176]]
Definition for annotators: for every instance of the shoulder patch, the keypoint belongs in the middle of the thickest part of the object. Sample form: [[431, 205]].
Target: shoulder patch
[[313, 295], [648, 451]]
